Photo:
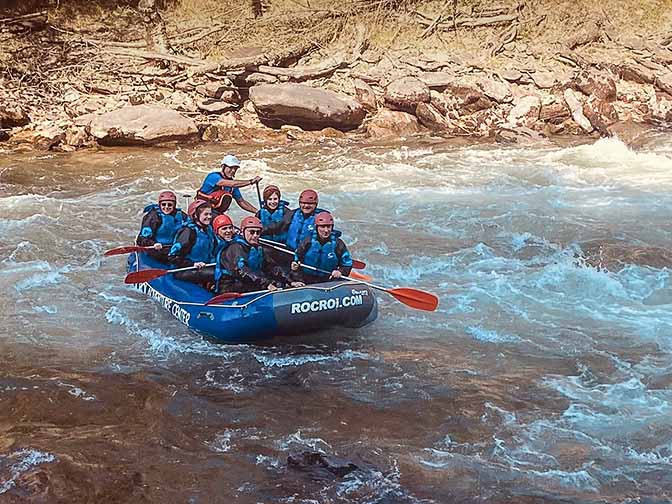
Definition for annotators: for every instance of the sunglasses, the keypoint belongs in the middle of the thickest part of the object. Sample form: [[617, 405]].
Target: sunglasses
[[167, 204], [254, 231]]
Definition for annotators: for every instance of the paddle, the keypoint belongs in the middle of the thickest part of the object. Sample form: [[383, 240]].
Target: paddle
[[261, 202], [126, 250], [414, 298], [147, 275], [281, 247]]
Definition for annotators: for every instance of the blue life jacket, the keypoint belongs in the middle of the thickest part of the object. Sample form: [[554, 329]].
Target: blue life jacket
[[267, 218], [220, 271], [255, 257], [301, 227], [204, 247], [322, 256], [170, 224]]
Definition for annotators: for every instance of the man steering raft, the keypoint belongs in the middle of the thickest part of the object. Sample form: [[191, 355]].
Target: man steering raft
[[323, 250], [160, 224], [195, 245], [219, 188], [241, 266]]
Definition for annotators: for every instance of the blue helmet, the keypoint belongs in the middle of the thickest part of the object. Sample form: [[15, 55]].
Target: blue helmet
[[230, 160]]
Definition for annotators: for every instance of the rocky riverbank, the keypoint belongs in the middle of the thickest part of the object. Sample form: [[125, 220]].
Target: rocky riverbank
[[64, 90]]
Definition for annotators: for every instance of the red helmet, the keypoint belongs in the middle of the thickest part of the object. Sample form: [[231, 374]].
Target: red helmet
[[195, 205], [220, 221], [270, 190], [167, 196], [250, 223], [324, 219], [308, 196]]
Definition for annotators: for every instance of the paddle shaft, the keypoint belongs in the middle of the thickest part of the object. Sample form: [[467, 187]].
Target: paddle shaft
[[261, 202], [187, 268], [301, 264], [356, 264]]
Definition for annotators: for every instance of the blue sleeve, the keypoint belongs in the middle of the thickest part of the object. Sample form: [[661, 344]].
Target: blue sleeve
[[236, 193], [210, 182]]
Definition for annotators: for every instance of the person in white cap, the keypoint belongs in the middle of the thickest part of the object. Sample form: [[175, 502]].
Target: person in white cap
[[219, 188]]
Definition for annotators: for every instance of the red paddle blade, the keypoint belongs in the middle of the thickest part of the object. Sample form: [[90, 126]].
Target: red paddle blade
[[415, 298], [223, 297], [143, 276], [358, 264], [360, 276], [124, 250]]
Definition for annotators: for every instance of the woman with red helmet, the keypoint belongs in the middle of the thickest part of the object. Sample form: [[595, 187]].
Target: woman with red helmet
[[160, 224], [323, 250], [195, 245], [242, 267]]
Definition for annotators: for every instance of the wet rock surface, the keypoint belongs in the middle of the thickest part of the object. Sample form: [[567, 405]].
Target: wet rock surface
[[304, 106], [141, 124], [614, 255]]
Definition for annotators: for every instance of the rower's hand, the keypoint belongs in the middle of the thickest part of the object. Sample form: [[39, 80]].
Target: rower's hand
[[295, 266], [335, 274], [157, 246], [297, 284], [272, 287], [255, 180], [199, 265]]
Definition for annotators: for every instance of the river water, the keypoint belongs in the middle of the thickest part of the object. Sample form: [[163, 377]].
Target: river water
[[539, 379]]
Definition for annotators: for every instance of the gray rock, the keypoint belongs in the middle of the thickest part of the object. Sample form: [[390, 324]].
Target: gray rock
[[12, 116], [76, 136], [511, 75], [602, 85], [216, 106], [257, 78], [404, 94], [431, 117], [467, 98], [392, 123], [304, 106], [142, 124], [544, 80], [437, 80], [320, 464], [576, 108], [495, 89], [365, 95], [214, 89], [664, 82], [525, 111]]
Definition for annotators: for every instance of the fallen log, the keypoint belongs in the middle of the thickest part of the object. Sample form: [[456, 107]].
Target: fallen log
[[303, 73], [471, 22], [26, 17]]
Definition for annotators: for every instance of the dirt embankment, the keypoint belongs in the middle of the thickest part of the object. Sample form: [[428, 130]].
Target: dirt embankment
[[79, 74]]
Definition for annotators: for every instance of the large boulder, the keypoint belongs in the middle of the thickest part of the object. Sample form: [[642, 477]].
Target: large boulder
[[466, 98], [497, 90], [404, 94], [601, 86], [12, 116], [304, 106], [392, 123], [525, 111], [142, 124], [431, 117]]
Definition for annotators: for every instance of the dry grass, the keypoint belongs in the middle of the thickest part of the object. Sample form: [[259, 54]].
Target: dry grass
[[391, 25]]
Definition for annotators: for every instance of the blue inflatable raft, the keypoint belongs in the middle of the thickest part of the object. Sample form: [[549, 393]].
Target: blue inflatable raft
[[261, 315]]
